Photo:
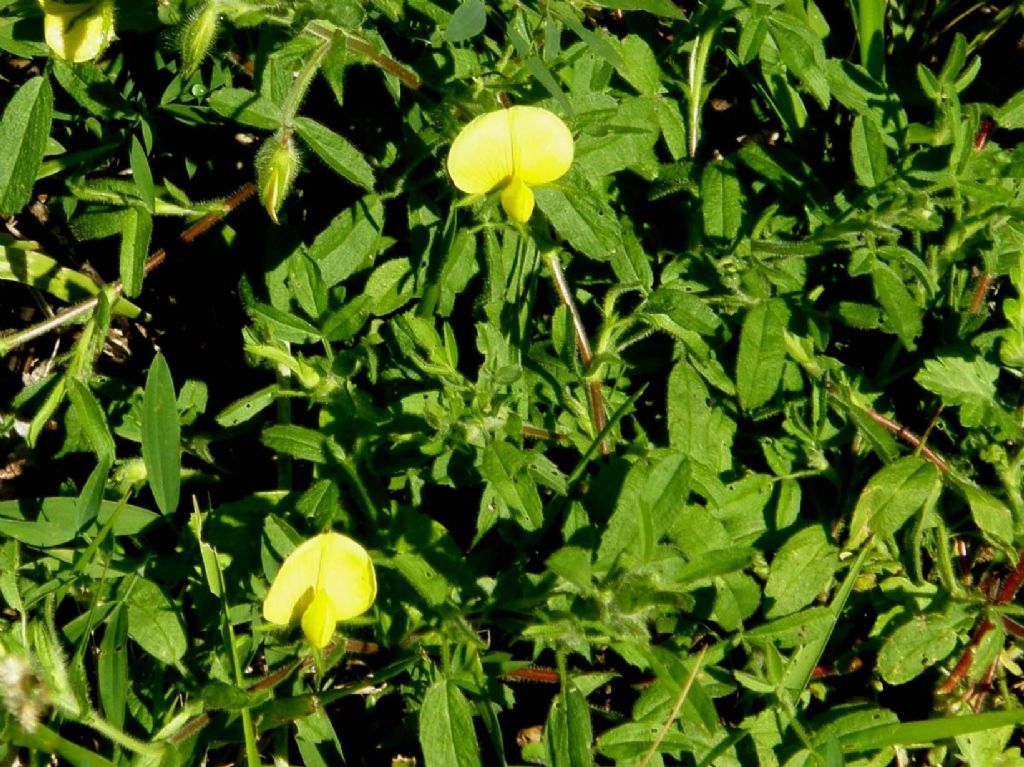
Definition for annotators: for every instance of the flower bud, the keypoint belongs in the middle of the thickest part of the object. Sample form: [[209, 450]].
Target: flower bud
[[277, 165], [198, 35], [78, 30]]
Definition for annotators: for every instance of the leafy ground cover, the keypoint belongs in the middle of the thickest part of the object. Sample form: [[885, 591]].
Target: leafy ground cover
[[701, 444]]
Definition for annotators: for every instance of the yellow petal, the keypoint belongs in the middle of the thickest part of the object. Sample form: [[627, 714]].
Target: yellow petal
[[542, 146], [319, 620], [78, 31], [517, 200], [330, 564], [481, 155], [347, 576]]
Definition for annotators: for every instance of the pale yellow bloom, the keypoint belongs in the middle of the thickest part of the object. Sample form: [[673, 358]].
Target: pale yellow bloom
[[327, 579], [78, 30], [514, 148]]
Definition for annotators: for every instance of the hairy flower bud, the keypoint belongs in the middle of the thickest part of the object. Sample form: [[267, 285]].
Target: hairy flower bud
[[78, 30], [277, 165], [198, 35]]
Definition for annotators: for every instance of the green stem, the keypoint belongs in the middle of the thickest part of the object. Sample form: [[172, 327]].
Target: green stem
[[303, 79], [43, 740], [120, 737], [582, 344]]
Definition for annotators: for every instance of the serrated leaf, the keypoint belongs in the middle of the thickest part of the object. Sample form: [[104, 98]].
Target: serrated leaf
[[967, 384], [24, 131]]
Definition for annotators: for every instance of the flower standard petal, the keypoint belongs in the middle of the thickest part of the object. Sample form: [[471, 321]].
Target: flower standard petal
[[542, 145], [480, 158], [78, 31], [329, 567], [346, 576]]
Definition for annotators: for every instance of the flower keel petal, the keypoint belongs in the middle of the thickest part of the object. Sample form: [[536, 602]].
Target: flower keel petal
[[517, 200], [319, 620]]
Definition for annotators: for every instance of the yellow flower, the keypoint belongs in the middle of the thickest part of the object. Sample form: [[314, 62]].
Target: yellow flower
[[327, 579], [513, 148], [78, 30]]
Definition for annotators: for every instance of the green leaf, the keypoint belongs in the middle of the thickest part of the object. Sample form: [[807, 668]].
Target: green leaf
[[48, 522], [901, 310], [246, 107], [143, 175], [24, 131], [467, 22], [161, 436], [39, 271], [967, 384], [296, 441], [568, 733], [916, 647], [153, 622], [504, 466], [446, 728], [992, 516], [801, 571], [112, 667], [135, 240], [665, 8], [336, 152], [247, 407], [891, 497], [927, 731], [583, 218], [867, 150], [350, 242], [762, 353], [722, 200], [803, 53], [696, 426], [90, 500], [91, 417]]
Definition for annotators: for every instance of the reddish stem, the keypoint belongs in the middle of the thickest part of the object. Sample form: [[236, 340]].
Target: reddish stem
[[910, 438]]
